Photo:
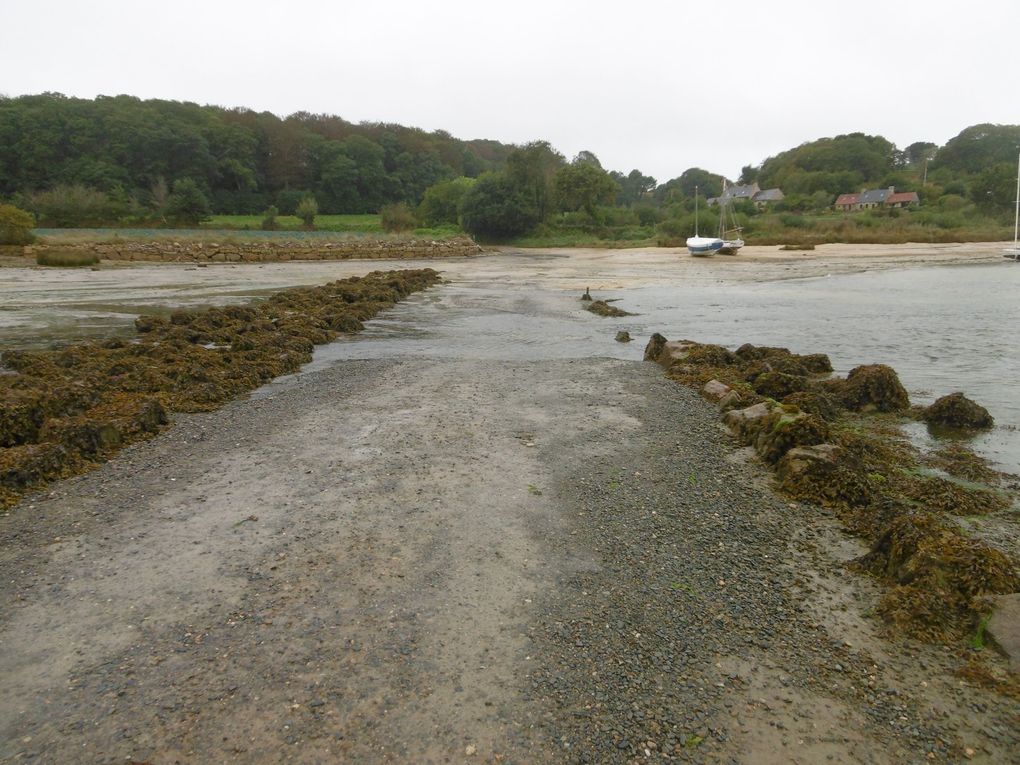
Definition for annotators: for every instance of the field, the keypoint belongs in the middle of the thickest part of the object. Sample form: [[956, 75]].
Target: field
[[368, 224]]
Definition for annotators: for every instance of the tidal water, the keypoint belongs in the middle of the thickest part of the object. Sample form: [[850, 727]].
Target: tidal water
[[943, 328]]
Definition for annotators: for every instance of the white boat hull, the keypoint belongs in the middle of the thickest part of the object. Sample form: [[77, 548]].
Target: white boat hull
[[703, 245]]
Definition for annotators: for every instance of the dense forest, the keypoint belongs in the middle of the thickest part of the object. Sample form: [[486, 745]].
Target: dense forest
[[243, 161], [119, 160]]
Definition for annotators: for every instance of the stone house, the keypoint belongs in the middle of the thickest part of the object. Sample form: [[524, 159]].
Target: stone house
[[848, 202], [903, 199]]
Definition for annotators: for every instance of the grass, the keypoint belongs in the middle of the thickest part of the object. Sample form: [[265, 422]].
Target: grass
[[66, 259], [364, 224]]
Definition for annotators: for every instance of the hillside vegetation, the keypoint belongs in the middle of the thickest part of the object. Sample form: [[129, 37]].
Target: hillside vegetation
[[121, 161]]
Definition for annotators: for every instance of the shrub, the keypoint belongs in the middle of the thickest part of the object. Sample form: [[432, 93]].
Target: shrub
[[306, 210], [269, 218], [188, 204], [16, 225], [69, 206], [495, 208], [397, 217]]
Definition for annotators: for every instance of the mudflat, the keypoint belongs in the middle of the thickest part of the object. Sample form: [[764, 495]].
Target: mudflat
[[449, 560]]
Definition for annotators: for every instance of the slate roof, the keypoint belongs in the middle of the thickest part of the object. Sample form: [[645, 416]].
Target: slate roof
[[740, 192], [769, 195], [875, 196]]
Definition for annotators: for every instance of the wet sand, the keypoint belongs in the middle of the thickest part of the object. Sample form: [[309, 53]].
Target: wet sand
[[443, 559]]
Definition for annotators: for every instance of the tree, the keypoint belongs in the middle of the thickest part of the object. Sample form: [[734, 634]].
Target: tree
[[497, 208], [583, 186], [531, 169], [306, 210], [15, 225], [187, 205], [634, 187], [994, 189], [708, 184], [441, 203]]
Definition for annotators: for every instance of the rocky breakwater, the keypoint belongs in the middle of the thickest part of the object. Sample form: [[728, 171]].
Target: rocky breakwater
[[62, 411], [836, 442], [227, 251]]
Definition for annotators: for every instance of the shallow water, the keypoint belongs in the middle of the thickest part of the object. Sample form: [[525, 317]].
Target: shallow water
[[943, 328]]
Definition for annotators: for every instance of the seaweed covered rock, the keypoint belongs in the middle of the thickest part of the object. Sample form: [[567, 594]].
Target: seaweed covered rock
[[602, 308], [786, 428], [709, 355], [654, 348], [873, 387], [779, 385], [814, 402], [957, 411], [748, 352], [816, 363], [745, 423], [61, 408], [824, 474], [715, 390], [940, 575]]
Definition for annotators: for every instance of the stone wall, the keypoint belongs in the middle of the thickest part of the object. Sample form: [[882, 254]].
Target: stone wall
[[269, 251]]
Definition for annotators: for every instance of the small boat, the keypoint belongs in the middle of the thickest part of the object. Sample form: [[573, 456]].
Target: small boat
[[729, 246], [1013, 253], [701, 246]]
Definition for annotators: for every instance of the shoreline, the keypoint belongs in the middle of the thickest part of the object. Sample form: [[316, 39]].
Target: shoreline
[[500, 559], [413, 558]]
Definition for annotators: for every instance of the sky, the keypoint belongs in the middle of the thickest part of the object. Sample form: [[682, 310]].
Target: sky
[[656, 86]]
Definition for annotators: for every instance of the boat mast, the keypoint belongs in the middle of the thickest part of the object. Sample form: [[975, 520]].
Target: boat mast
[[722, 211], [695, 211], [1016, 218]]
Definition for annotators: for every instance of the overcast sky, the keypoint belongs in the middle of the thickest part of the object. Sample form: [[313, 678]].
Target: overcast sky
[[658, 86]]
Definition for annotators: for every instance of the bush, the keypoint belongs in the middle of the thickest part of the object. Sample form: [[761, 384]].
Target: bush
[[269, 218], [16, 225], [441, 203], [187, 204], [495, 208], [306, 210], [71, 206], [397, 217]]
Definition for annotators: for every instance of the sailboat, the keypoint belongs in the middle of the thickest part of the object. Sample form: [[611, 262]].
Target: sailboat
[[701, 246], [1013, 253], [729, 246]]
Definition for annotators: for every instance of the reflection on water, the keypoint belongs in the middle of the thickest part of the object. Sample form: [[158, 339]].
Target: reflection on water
[[943, 328]]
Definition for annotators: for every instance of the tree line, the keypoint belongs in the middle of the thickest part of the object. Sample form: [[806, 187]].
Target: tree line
[[134, 153], [77, 161]]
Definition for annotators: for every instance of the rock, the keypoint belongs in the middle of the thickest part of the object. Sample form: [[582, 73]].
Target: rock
[[802, 460], [814, 402], [1004, 628], [665, 352], [716, 390], [957, 411], [819, 473], [779, 385], [745, 423], [785, 429], [816, 363], [871, 387], [602, 308], [732, 400], [623, 336]]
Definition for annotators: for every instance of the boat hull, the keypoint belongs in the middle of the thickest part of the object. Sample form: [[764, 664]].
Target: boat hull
[[730, 246], [703, 246]]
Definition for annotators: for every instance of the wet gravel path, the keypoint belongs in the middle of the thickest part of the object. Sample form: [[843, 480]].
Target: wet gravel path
[[457, 561]]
